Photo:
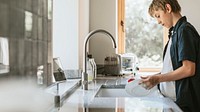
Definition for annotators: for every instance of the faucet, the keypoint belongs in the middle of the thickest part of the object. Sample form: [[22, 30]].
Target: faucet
[[84, 74]]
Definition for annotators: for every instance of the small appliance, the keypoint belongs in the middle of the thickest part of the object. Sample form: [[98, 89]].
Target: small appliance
[[120, 64], [129, 63]]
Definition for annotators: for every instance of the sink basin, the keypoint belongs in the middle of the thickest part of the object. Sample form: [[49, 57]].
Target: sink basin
[[112, 91], [119, 91]]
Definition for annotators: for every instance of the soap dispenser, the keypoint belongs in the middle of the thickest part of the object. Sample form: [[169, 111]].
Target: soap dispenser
[[94, 66], [40, 76]]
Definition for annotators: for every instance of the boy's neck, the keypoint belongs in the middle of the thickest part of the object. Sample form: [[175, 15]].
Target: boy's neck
[[176, 17]]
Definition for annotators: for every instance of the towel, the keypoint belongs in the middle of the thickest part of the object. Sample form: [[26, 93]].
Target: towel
[[4, 53]]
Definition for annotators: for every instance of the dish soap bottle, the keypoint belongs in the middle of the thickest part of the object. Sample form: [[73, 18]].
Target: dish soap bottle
[[90, 71]]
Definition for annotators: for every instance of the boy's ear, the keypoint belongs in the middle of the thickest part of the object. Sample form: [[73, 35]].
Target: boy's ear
[[168, 8]]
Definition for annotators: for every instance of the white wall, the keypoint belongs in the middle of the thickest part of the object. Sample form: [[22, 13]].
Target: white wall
[[83, 27], [70, 24], [191, 10], [102, 16]]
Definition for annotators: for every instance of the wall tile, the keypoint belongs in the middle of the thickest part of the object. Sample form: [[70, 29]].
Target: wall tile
[[35, 27], [21, 53], [35, 4], [45, 8], [40, 7], [16, 23], [40, 29], [49, 30], [45, 30], [4, 1], [27, 51], [20, 4], [13, 3], [40, 53], [45, 50], [28, 5], [49, 73], [50, 52], [4, 20], [35, 53]]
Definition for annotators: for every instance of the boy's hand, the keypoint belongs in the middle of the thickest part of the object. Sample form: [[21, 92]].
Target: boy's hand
[[150, 81]]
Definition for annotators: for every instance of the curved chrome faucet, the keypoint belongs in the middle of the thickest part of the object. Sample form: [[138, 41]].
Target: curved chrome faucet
[[85, 75]]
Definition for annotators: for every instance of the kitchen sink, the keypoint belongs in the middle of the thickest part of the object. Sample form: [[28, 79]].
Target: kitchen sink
[[153, 102], [112, 91], [119, 91]]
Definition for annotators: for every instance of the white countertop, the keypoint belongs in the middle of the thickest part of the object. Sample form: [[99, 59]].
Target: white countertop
[[62, 87], [85, 101]]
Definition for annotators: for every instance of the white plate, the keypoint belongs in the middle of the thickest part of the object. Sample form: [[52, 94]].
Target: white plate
[[134, 89]]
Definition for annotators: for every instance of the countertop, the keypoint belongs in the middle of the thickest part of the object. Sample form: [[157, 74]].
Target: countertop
[[85, 101]]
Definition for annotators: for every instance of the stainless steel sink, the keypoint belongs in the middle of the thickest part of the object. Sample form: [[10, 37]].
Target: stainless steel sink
[[119, 91], [112, 91], [153, 102]]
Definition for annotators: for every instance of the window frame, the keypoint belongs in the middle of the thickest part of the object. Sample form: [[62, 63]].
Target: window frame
[[121, 26]]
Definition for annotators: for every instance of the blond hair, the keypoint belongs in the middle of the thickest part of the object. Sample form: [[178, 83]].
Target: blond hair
[[161, 4]]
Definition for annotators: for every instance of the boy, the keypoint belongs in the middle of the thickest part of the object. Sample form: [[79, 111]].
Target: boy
[[180, 76]]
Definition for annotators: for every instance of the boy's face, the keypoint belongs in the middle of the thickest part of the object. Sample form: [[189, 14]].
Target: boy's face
[[164, 18]]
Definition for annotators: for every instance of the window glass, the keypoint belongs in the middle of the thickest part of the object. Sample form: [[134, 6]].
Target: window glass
[[144, 37]]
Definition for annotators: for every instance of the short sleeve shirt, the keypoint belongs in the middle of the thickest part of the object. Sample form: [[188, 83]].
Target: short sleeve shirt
[[186, 46]]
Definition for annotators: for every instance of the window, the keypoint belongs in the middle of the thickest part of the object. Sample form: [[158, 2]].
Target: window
[[142, 36]]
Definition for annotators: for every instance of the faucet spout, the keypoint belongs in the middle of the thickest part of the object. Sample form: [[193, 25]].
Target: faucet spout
[[85, 75]]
